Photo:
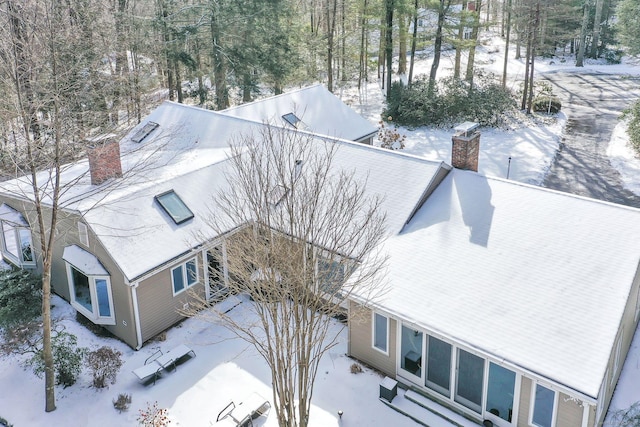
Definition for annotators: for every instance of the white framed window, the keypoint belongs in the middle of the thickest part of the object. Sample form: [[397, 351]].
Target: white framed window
[[17, 246], [91, 296], [184, 276], [83, 233], [380, 336], [544, 402]]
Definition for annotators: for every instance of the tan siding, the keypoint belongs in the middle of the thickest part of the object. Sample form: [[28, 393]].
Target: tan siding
[[525, 402], [120, 291], [592, 416], [158, 307], [360, 339], [569, 412], [629, 324], [67, 234]]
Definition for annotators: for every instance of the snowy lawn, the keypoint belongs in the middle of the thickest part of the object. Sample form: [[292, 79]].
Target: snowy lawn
[[224, 369]]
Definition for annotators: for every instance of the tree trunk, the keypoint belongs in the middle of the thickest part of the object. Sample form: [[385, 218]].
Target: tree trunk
[[362, 69], [460, 38], [402, 44], [525, 91], [388, 48], [331, 25], [583, 35], [597, 23], [536, 24], [474, 37], [219, 66], [437, 43], [506, 44], [414, 38]]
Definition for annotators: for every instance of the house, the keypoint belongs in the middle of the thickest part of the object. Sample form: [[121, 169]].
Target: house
[[134, 234], [311, 108], [505, 302]]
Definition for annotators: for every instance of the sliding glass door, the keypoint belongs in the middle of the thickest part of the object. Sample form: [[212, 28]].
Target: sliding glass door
[[438, 376], [470, 380], [411, 351], [500, 392]]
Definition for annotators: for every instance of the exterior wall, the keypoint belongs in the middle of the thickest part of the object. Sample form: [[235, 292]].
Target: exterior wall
[[628, 324], [120, 290], [158, 307], [525, 402], [569, 412], [67, 234], [361, 339]]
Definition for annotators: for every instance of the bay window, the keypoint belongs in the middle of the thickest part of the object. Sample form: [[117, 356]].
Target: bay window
[[17, 246], [89, 285]]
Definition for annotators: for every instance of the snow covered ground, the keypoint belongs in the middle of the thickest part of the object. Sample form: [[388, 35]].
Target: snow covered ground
[[227, 369]]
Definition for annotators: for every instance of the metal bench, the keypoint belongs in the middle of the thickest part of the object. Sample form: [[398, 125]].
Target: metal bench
[[159, 361], [246, 411]]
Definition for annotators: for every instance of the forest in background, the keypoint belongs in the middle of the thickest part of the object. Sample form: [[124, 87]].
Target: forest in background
[[105, 63]]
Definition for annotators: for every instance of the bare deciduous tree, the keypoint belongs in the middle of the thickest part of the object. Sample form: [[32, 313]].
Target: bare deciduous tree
[[302, 226]]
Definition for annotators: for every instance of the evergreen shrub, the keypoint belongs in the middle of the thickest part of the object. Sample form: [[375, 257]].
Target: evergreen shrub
[[20, 297], [449, 101], [633, 128], [67, 359], [546, 103]]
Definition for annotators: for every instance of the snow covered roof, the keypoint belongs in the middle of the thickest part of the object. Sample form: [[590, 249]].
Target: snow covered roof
[[8, 214], [84, 261], [537, 277], [320, 112], [186, 150]]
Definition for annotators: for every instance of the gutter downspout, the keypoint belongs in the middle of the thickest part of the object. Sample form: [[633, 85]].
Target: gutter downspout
[[136, 314]]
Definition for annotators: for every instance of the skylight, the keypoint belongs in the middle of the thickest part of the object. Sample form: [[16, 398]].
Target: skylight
[[174, 207], [144, 132], [294, 121]]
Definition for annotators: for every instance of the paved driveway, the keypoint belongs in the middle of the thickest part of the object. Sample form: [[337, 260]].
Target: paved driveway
[[593, 103]]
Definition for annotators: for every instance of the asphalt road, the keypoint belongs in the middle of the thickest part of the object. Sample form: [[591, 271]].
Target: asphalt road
[[593, 103]]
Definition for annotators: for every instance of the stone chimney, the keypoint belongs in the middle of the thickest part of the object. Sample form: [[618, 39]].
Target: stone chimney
[[104, 160], [466, 147]]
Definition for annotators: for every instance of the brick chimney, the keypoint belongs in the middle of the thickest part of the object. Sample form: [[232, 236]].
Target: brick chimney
[[104, 160], [466, 147]]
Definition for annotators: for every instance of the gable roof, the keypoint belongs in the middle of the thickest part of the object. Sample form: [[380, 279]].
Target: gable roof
[[188, 152], [321, 111], [532, 276]]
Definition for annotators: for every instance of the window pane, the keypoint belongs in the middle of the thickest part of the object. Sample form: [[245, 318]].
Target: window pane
[[543, 406], [82, 294], [25, 245], [175, 207], [192, 272], [470, 378], [178, 280], [102, 294], [500, 391], [10, 242], [411, 351], [380, 332], [439, 366]]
